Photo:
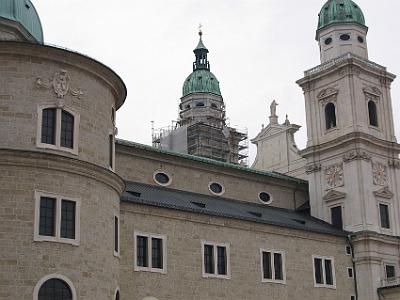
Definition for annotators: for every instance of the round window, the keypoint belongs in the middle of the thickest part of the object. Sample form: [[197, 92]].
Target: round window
[[328, 41], [345, 37], [361, 39], [216, 188], [265, 197], [162, 178]]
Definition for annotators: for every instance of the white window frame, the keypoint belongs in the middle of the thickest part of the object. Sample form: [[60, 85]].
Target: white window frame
[[350, 268], [228, 261], [324, 285], [54, 276], [57, 145], [57, 238], [351, 250], [212, 192], [117, 253], [149, 249], [115, 293], [273, 280], [389, 205]]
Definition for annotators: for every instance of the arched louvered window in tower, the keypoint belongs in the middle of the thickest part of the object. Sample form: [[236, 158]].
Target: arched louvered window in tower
[[330, 115]]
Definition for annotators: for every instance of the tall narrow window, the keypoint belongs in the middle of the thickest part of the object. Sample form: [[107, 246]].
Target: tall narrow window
[[384, 215], [47, 216], [117, 296], [215, 260], [390, 271], [272, 266], [49, 126], [150, 253], [330, 116], [116, 235], [68, 219], [324, 273], [142, 253], [56, 219], [373, 114], [111, 151], [336, 217], [67, 130]]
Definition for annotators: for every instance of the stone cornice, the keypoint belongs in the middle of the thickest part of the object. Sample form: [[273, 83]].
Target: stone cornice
[[365, 236], [41, 160], [351, 138]]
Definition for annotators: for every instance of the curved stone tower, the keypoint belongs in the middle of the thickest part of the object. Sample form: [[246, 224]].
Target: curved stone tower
[[59, 195]]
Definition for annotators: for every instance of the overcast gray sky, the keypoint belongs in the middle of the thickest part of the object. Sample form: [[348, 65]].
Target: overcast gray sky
[[258, 49]]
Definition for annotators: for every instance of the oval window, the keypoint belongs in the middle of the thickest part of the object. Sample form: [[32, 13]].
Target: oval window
[[265, 197], [328, 41], [345, 37], [216, 188], [162, 178], [361, 39]]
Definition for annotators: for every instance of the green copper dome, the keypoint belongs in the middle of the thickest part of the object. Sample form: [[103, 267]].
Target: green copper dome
[[23, 12], [340, 11], [201, 81]]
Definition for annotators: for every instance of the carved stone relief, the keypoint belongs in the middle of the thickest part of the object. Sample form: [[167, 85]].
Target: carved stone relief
[[379, 172], [312, 168], [328, 92], [394, 163], [334, 176], [372, 91], [356, 155], [384, 193], [60, 83], [334, 195]]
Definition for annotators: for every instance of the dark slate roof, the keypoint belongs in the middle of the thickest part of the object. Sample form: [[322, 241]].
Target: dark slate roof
[[217, 163], [216, 206]]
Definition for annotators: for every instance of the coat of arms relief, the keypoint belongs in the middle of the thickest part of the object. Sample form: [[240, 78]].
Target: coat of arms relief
[[60, 83], [334, 176], [379, 172]]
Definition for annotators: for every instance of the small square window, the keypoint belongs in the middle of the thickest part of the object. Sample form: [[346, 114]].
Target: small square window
[[390, 272], [215, 260], [150, 252]]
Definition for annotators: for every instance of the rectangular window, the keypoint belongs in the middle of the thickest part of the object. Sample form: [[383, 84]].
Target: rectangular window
[[390, 271], [350, 272], [56, 219], [67, 130], [68, 219], [273, 266], [336, 217], [384, 215], [116, 235], [324, 273], [49, 126], [47, 216], [111, 151], [215, 260], [150, 252]]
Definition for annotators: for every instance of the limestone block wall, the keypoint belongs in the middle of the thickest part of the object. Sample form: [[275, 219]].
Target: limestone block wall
[[184, 281], [140, 165]]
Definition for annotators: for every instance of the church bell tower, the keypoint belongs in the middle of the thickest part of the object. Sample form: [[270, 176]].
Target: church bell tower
[[352, 155]]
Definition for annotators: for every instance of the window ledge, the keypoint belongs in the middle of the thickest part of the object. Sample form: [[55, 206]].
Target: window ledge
[[57, 148], [283, 282], [52, 239], [150, 270], [332, 287], [227, 277]]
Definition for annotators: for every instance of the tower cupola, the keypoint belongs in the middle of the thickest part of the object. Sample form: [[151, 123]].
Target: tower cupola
[[19, 20], [341, 30], [201, 55]]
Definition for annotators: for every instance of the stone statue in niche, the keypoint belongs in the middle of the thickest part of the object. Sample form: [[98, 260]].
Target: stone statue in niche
[[379, 172], [334, 176]]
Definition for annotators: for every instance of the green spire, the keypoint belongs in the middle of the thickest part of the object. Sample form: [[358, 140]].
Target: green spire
[[23, 12], [340, 11]]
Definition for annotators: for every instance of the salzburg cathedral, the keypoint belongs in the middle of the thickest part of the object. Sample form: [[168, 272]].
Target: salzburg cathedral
[[86, 215]]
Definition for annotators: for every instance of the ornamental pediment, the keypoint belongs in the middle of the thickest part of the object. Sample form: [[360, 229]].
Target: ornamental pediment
[[384, 193], [327, 93], [372, 90], [334, 195]]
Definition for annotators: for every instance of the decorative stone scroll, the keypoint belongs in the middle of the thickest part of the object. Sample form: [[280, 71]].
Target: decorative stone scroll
[[384, 193], [356, 155], [394, 163], [312, 168], [379, 172], [334, 176], [60, 84]]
